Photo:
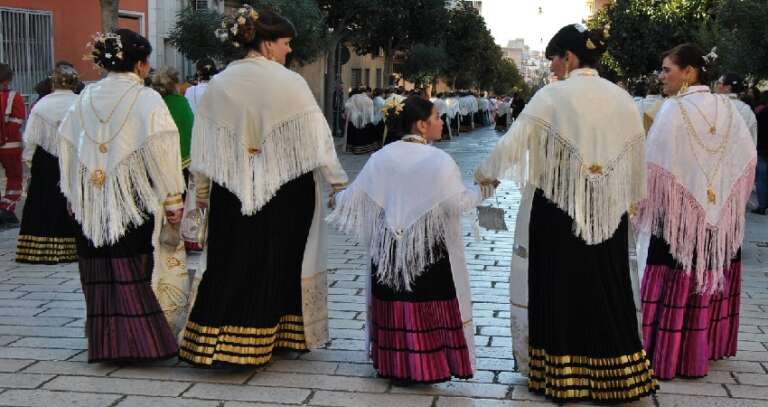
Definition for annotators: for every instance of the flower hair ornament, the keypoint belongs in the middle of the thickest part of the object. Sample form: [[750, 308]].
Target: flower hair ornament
[[103, 38], [710, 58], [230, 26], [392, 107]]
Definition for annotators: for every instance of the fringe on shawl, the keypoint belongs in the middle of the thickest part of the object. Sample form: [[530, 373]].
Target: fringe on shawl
[[293, 148], [42, 133], [595, 199], [400, 256], [360, 119], [672, 213], [134, 187]]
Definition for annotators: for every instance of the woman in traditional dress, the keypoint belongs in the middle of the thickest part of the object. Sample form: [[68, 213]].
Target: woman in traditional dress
[[578, 150], [121, 173], [166, 82], [701, 166], [361, 133], [649, 105], [47, 234], [263, 142], [406, 205], [502, 114], [206, 68]]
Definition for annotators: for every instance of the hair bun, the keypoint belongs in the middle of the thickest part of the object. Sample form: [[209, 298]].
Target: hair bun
[[596, 40]]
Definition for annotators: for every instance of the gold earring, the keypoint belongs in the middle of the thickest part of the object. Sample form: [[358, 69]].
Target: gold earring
[[684, 87]]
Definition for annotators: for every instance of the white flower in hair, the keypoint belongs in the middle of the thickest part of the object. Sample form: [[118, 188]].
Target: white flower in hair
[[108, 55], [580, 28], [711, 57], [241, 20], [234, 30], [242, 10]]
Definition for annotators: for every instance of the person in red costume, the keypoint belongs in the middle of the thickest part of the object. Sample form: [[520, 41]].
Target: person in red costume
[[12, 116]]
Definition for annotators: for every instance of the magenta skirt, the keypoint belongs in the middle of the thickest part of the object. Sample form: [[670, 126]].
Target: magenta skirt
[[682, 330], [418, 336]]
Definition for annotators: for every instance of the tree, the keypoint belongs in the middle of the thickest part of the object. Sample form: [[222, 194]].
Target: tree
[[306, 16], [508, 79], [109, 15], [640, 30], [472, 53], [738, 29], [398, 26], [194, 33], [424, 63]]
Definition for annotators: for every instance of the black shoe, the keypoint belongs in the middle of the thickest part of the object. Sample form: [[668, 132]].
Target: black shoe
[[8, 219], [758, 211]]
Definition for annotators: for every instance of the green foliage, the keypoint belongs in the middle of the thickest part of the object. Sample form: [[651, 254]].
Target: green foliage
[[311, 41], [424, 63], [740, 31], [194, 35], [472, 53], [508, 79]]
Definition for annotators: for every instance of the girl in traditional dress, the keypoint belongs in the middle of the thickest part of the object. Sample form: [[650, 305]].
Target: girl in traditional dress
[[577, 148], [701, 165], [47, 234], [264, 144], [121, 174], [406, 205], [166, 81], [732, 85], [206, 68]]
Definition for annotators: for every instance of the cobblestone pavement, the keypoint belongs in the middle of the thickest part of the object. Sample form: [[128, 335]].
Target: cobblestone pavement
[[42, 349]]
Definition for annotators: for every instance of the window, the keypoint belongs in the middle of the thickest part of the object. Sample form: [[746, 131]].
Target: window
[[379, 81], [26, 43], [367, 77], [200, 4], [357, 77]]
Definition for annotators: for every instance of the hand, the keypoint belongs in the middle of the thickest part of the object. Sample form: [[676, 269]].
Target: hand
[[174, 217]]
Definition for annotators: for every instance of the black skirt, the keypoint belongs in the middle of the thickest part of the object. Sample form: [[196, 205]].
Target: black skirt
[[362, 141], [47, 233], [583, 332], [501, 122], [249, 300], [446, 135]]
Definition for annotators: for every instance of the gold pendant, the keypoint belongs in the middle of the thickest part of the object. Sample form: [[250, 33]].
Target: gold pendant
[[98, 178], [103, 148], [712, 130], [711, 196]]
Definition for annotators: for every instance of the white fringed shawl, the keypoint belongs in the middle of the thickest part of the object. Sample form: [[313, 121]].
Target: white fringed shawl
[[394, 205], [44, 120], [359, 110], [277, 113], [378, 113], [702, 235], [581, 142], [142, 166]]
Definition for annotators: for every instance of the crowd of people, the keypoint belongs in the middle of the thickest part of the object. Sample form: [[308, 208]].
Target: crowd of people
[[115, 165]]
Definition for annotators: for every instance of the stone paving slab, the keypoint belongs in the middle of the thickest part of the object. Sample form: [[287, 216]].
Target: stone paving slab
[[42, 357]]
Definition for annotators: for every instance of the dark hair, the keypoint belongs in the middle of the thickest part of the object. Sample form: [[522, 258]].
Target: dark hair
[[685, 55], [377, 92], [735, 81], [415, 109], [6, 73], [588, 45], [206, 68], [120, 51], [65, 76], [640, 89], [253, 27]]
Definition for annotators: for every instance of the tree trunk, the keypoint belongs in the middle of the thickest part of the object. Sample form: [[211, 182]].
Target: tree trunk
[[388, 57], [109, 15], [330, 78]]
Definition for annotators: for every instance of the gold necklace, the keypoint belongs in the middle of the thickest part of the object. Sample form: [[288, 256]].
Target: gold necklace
[[119, 101], [414, 138], [104, 145], [719, 150], [712, 126]]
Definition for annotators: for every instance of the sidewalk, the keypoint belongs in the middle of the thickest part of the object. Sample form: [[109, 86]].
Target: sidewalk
[[42, 348]]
